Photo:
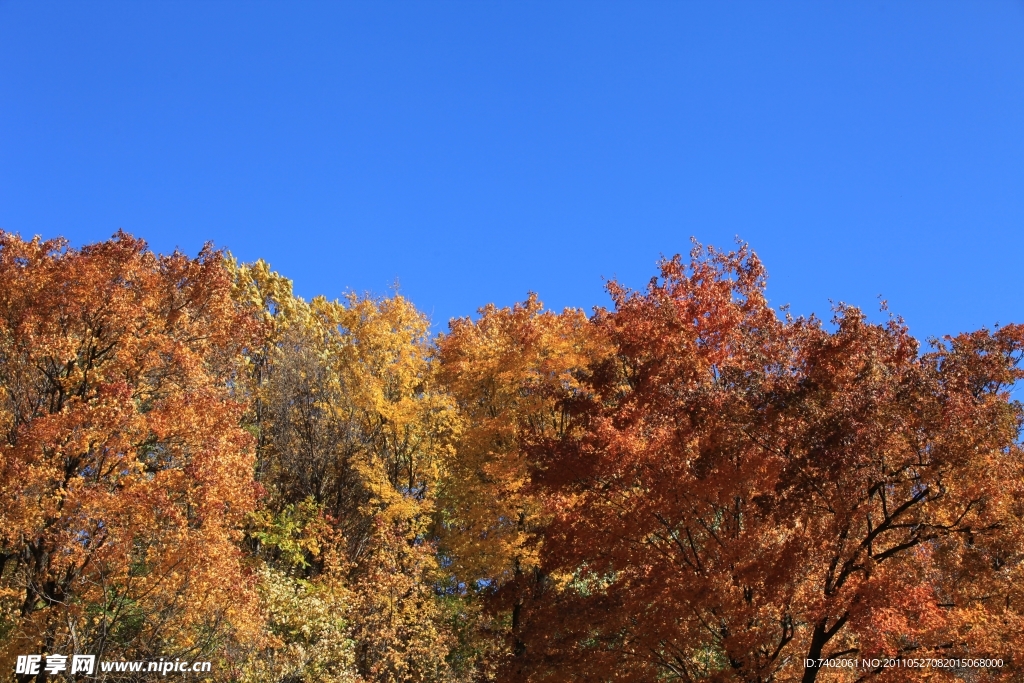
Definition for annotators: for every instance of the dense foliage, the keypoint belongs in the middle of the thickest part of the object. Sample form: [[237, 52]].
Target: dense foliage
[[196, 463]]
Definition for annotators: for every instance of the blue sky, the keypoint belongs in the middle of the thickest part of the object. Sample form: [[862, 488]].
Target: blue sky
[[475, 151]]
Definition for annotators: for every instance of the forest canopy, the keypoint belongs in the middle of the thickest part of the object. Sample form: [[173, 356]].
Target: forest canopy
[[688, 485]]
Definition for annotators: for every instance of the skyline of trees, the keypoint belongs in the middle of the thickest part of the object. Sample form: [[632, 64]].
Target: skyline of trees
[[685, 486]]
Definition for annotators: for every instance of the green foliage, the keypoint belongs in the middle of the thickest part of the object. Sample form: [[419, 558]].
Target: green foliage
[[291, 536]]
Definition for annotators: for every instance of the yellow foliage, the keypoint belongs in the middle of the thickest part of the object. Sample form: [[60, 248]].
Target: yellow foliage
[[508, 372]]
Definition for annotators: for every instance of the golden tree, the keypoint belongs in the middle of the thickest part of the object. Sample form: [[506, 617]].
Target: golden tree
[[509, 372], [351, 430]]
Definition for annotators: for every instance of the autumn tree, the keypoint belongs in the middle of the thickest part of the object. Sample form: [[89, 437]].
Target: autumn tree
[[750, 492], [353, 432], [125, 475], [197, 463], [509, 372]]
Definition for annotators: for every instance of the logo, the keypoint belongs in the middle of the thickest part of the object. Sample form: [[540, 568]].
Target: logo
[[55, 664]]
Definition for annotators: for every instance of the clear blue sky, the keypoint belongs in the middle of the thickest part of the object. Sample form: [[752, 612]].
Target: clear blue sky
[[474, 151]]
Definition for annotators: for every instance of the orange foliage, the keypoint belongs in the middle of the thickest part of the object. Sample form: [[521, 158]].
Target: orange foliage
[[197, 463], [124, 475], [507, 372]]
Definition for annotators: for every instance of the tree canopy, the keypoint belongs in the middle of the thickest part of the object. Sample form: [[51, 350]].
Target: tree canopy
[[689, 485]]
